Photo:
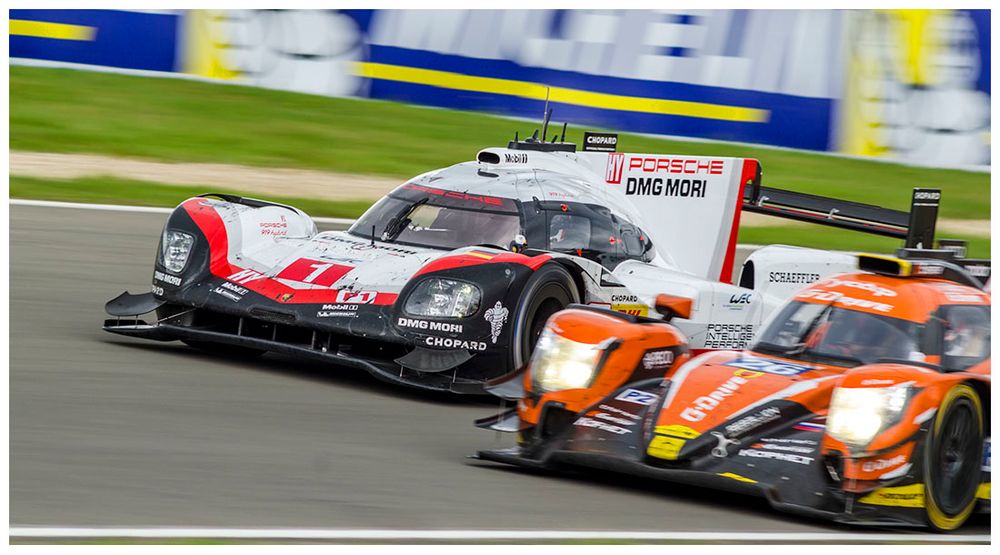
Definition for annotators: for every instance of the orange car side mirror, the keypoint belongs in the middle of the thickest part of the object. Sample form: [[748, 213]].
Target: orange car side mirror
[[670, 306]]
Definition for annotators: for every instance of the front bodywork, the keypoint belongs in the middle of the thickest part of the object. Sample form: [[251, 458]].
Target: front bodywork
[[774, 449], [331, 296]]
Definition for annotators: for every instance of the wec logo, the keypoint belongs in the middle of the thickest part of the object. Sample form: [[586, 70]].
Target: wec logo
[[741, 298]]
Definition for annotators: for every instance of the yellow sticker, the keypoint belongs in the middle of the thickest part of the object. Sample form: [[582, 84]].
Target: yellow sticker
[[899, 496], [677, 430], [738, 478], [632, 309], [663, 447]]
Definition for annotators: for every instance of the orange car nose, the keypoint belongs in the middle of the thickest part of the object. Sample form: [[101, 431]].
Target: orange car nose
[[645, 348]]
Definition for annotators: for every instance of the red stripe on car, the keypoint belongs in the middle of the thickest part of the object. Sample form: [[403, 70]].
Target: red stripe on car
[[476, 258], [748, 174], [208, 220]]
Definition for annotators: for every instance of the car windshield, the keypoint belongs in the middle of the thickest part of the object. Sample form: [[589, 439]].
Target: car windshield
[[421, 223], [834, 335]]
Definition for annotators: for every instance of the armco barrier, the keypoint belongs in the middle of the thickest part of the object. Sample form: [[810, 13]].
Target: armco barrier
[[910, 85]]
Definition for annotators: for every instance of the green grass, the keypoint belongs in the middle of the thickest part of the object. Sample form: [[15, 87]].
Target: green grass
[[60, 110], [843, 240], [109, 190], [143, 193]]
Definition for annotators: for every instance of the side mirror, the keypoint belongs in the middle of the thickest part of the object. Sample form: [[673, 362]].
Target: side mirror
[[518, 244], [670, 306]]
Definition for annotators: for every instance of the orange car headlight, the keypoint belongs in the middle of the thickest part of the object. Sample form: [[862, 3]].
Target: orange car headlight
[[559, 363], [858, 414]]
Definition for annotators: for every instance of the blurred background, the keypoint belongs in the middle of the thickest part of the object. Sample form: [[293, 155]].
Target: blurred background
[[907, 87], [910, 85]]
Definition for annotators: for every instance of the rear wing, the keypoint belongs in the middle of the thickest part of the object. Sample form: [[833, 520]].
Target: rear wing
[[916, 227]]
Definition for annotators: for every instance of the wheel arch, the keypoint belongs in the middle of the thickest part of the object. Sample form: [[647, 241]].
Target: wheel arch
[[936, 515], [523, 294], [576, 272]]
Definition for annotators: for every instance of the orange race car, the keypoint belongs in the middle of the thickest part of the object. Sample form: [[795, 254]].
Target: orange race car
[[864, 400]]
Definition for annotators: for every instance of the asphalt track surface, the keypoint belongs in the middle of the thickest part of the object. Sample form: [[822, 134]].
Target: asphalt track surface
[[110, 431]]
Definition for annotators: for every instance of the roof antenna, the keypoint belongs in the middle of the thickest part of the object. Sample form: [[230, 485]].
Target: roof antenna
[[546, 113], [515, 136], [563, 139]]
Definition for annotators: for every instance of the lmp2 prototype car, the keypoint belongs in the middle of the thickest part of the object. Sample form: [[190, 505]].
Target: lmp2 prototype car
[[865, 400], [448, 280]]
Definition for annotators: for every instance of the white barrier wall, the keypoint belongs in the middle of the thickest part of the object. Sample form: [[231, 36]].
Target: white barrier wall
[[910, 85]]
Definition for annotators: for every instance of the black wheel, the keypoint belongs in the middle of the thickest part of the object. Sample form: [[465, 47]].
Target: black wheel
[[954, 455], [224, 349], [548, 291]]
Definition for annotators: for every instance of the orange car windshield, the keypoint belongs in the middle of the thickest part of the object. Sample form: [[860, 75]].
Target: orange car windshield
[[830, 334]]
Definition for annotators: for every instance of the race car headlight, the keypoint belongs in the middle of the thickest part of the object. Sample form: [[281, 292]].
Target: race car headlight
[[443, 298], [857, 415], [559, 363], [175, 249]]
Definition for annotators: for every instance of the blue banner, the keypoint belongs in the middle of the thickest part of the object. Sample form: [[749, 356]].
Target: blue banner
[[903, 84], [122, 39]]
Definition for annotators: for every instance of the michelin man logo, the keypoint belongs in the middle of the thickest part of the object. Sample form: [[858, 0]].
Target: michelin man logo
[[496, 316]]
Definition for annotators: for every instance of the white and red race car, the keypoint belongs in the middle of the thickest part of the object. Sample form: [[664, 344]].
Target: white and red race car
[[448, 280]]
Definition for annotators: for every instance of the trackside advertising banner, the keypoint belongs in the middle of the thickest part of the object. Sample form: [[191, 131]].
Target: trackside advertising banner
[[121, 39], [910, 85]]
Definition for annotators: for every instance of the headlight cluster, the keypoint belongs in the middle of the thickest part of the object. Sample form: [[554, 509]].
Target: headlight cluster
[[443, 298], [175, 248], [857, 415], [559, 363]]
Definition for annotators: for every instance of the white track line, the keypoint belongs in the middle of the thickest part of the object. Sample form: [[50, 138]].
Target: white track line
[[483, 535], [127, 208], [88, 206]]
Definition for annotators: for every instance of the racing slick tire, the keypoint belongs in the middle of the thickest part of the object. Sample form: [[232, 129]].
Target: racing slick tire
[[223, 349], [954, 451], [548, 291]]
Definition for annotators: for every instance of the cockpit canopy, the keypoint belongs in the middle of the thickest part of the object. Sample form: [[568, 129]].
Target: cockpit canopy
[[442, 219], [957, 335]]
